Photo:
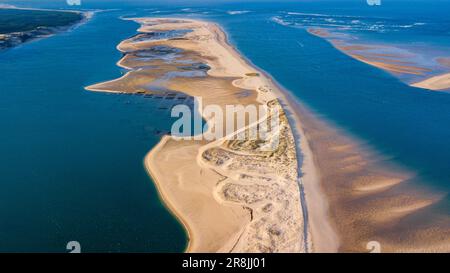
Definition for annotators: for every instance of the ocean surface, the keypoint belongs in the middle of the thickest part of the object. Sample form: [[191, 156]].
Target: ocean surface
[[72, 160]]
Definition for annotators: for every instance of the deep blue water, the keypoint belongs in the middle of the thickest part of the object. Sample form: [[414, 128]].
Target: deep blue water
[[72, 160]]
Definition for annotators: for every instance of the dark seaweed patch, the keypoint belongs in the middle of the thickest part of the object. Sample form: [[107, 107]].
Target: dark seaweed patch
[[196, 67]]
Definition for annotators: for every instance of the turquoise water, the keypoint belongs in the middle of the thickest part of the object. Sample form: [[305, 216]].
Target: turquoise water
[[72, 160]]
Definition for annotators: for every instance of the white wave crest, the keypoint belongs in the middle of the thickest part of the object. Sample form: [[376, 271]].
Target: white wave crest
[[237, 12], [322, 15], [279, 21], [308, 14]]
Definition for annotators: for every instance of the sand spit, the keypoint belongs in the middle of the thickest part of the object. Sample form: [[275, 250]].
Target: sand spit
[[391, 63], [231, 195], [441, 82]]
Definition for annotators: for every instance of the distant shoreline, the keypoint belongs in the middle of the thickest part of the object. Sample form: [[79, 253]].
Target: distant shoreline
[[13, 39]]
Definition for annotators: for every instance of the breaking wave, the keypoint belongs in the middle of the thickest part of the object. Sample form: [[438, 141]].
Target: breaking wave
[[344, 22], [237, 12]]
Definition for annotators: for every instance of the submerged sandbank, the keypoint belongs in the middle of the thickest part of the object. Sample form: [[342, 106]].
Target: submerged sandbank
[[399, 63]]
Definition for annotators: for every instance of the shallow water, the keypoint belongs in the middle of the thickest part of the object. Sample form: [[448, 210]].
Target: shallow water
[[418, 40]]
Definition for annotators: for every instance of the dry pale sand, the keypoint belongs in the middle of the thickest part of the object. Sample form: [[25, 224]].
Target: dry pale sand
[[231, 195], [240, 199], [441, 82]]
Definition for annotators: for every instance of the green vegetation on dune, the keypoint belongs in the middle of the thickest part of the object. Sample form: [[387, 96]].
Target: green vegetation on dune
[[18, 20]]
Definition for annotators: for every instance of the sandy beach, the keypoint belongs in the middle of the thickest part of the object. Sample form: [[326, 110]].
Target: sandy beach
[[371, 198], [229, 195]]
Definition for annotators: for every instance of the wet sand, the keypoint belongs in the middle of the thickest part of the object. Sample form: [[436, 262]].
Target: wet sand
[[371, 198], [396, 64]]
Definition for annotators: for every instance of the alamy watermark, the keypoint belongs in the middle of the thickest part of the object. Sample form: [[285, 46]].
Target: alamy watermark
[[373, 2], [73, 2], [73, 247], [373, 247]]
